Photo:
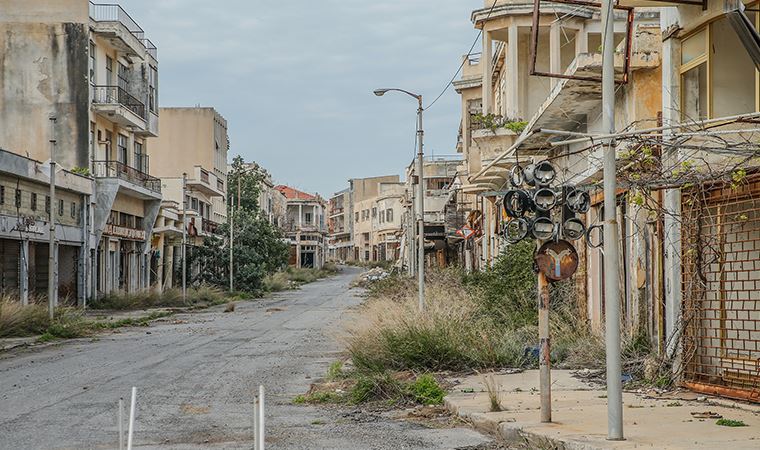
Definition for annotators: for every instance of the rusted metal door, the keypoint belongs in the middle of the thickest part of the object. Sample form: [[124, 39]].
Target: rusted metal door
[[721, 289]]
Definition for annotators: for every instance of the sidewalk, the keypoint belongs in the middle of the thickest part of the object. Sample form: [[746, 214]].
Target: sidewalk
[[580, 416]]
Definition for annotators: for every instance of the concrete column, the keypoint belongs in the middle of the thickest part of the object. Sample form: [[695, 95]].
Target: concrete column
[[512, 96], [24, 271], [486, 61], [168, 281], [298, 245], [671, 53], [300, 215], [555, 61], [581, 40]]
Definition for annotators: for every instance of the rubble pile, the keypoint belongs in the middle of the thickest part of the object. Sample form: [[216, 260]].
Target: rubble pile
[[370, 276]]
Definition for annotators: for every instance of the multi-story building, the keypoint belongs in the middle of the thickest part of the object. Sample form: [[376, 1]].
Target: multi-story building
[[387, 232], [272, 202], [363, 212], [340, 226], [91, 68], [305, 227], [193, 144]]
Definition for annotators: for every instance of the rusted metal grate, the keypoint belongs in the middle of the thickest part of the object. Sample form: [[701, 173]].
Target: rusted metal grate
[[721, 289]]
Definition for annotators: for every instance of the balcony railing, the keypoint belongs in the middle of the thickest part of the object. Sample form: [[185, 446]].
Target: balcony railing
[[209, 226], [100, 12], [116, 95], [116, 169]]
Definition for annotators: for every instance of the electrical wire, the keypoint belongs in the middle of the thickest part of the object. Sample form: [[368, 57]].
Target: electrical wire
[[461, 65]]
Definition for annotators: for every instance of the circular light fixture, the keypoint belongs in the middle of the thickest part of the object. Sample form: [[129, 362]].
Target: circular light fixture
[[545, 199], [515, 230], [578, 201], [544, 173], [595, 236], [573, 229], [528, 177], [543, 228], [516, 202], [517, 176]]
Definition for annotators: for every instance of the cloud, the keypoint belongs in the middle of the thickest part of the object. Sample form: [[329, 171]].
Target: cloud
[[294, 77]]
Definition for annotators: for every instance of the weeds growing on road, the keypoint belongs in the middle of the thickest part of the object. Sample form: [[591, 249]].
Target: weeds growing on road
[[293, 277]]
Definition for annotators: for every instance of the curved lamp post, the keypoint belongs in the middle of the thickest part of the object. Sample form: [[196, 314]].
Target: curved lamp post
[[420, 213]]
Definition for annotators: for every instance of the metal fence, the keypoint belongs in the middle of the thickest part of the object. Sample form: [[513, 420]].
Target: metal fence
[[116, 169], [721, 289], [117, 95]]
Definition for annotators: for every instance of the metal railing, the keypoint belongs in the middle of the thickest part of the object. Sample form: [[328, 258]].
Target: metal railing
[[101, 12], [117, 95], [116, 169], [209, 226]]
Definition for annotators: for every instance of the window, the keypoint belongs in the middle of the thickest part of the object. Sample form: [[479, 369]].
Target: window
[[93, 67], [18, 198], [47, 204], [718, 77], [73, 210], [121, 148], [60, 207], [194, 204], [2, 195], [139, 157], [389, 215], [34, 201], [356, 216], [123, 77], [307, 217], [382, 216], [109, 71], [374, 213]]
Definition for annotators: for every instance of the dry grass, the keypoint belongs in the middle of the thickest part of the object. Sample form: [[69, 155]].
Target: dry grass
[[201, 296], [494, 393], [17, 320], [292, 277]]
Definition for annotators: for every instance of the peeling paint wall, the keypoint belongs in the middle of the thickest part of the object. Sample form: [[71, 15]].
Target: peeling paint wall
[[43, 67]]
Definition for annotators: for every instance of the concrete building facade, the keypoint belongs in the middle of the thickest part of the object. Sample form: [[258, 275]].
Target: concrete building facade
[[193, 143]]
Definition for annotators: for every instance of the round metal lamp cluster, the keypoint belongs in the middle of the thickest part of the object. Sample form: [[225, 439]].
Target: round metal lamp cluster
[[539, 210]]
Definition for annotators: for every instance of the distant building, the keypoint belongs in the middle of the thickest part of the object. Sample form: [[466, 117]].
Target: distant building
[[305, 227], [340, 245]]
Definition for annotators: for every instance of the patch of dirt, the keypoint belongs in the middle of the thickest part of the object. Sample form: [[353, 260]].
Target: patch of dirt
[[275, 309], [195, 410]]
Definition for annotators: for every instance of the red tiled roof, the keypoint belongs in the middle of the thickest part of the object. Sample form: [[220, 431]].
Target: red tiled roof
[[294, 194]]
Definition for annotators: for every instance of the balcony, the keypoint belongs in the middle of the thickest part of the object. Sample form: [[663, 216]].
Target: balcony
[[208, 227], [119, 106], [205, 182], [121, 171], [116, 26]]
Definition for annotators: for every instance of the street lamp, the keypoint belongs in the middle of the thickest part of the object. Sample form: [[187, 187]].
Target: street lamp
[[420, 196]]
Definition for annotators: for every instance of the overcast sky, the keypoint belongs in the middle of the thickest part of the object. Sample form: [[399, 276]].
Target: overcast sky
[[294, 78]]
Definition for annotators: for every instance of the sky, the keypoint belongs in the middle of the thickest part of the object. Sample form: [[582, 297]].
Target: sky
[[294, 78]]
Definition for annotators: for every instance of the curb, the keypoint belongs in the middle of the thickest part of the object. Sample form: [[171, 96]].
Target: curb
[[512, 433]]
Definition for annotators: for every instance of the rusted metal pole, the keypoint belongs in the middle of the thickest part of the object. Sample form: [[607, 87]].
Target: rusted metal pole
[[544, 354]]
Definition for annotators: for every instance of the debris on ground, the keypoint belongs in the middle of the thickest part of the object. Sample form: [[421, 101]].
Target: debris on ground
[[706, 415], [370, 276]]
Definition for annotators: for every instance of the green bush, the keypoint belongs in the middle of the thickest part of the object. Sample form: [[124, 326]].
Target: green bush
[[202, 295], [372, 386], [425, 390]]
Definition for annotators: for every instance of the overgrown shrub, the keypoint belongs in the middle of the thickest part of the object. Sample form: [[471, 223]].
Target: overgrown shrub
[[425, 390], [17, 320]]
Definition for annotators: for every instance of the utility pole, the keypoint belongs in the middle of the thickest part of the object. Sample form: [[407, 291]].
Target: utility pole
[[52, 292], [420, 210], [611, 260], [420, 207], [544, 352], [232, 208], [184, 236]]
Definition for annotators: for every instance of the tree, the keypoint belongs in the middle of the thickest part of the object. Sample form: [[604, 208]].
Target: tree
[[258, 247]]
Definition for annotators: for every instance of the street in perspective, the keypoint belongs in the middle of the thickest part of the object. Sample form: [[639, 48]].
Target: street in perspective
[[438, 224]]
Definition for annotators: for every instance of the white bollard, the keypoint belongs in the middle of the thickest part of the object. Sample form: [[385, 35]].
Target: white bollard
[[261, 418], [255, 422], [121, 423], [131, 418]]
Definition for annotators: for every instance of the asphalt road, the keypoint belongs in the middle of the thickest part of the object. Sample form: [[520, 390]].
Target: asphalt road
[[196, 375]]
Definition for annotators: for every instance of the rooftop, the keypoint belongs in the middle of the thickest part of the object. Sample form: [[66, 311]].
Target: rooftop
[[294, 194]]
